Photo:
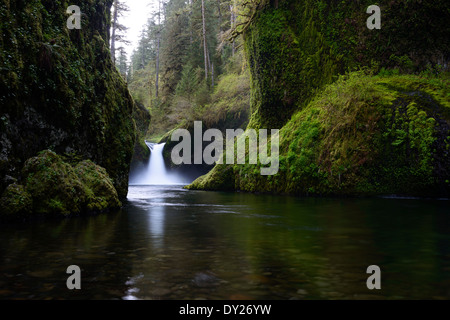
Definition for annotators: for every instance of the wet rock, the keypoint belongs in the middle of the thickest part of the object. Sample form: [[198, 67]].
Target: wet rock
[[52, 255], [201, 251], [255, 278], [371, 297], [47, 287], [239, 296], [333, 294], [114, 293], [161, 292], [205, 280], [90, 256], [302, 292], [40, 273], [5, 292]]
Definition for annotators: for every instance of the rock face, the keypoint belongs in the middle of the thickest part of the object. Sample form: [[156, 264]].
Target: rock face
[[60, 91], [296, 47], [142, 119], [360, 134]]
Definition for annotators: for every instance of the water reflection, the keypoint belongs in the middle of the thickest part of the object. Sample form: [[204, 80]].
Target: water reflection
[[156, 225], [169, 243]]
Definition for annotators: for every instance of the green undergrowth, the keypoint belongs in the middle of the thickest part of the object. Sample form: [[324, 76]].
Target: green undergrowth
[[295, 48], [227, 106], [362, 135]]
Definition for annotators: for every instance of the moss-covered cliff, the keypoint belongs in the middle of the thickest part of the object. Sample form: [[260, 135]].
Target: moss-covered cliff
[[59, 89], [296, 47], [362, 135], [142, 119]]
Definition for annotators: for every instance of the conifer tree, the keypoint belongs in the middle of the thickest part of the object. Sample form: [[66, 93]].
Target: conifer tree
[[118, 30]]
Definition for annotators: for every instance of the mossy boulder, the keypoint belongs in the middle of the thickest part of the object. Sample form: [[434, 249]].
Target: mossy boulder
[[15, 202], [99, 188], [53, 184], [52, 187], [220, 178]]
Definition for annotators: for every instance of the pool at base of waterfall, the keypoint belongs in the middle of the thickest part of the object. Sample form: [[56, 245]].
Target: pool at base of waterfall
[[154, 172], [170, 243]]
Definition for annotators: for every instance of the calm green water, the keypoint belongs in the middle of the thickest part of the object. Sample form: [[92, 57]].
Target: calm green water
[[169, 243]]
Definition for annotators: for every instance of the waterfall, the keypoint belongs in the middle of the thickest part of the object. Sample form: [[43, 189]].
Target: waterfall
[[155, 172]]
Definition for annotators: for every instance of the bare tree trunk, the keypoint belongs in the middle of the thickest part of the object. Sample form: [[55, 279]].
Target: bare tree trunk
[[220, 15], [113, 36], [220, 22], [157, 50], [190, 22], [212, 75], [157, 64], [232, 22], [211, 67], [204, 40]]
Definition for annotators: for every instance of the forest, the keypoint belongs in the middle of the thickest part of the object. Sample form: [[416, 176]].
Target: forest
[[147, 166], [361, 111], [295, 67]]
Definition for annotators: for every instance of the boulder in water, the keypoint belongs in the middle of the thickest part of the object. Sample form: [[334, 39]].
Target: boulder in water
[[205, 280], [51, 187]]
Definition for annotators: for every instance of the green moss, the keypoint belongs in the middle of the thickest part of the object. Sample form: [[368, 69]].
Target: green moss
[[52, 187], [274, 46], [142, 119], [53, 184], [99, 188], [220, 178], [362, 135], [295, 48], [60, 87], [15, 202]]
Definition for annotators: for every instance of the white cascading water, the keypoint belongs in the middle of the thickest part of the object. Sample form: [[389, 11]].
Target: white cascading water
[[155, 172]]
